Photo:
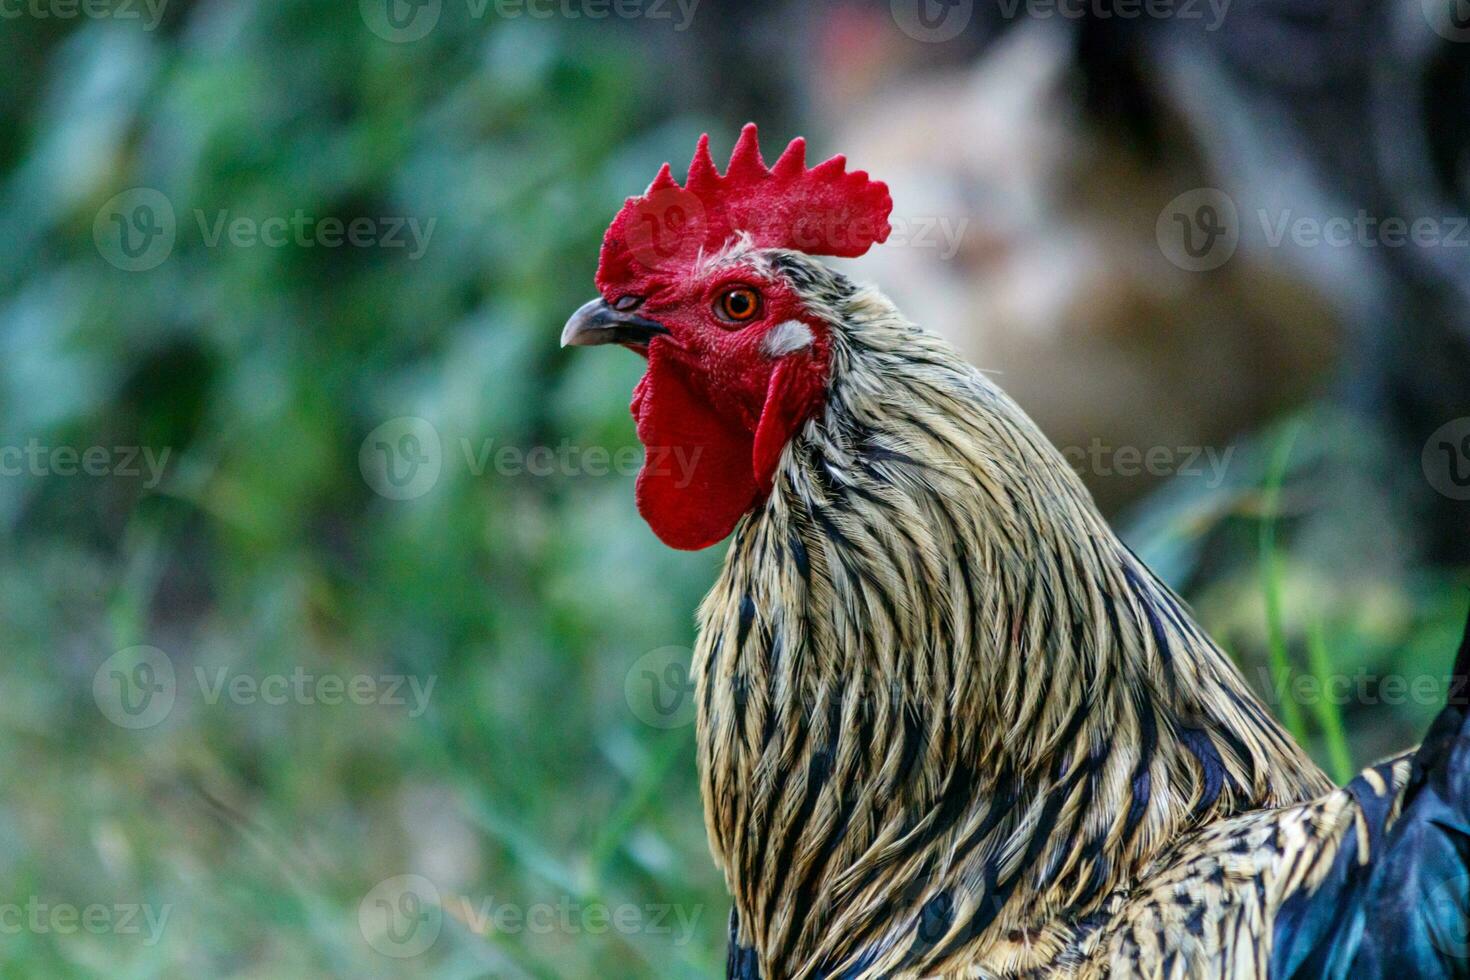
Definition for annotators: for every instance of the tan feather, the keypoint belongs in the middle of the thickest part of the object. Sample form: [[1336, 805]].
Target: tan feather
[[950, 726]]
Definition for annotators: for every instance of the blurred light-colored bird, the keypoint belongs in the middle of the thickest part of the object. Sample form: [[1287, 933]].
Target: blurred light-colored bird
[[1026, 234]]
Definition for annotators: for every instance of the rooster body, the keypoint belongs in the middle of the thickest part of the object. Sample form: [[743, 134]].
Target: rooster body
[[948, 725]]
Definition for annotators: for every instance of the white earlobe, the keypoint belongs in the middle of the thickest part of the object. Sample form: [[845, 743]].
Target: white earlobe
[[787, 338]]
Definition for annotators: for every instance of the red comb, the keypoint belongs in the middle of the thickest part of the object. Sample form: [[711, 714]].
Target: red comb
[[821, 211]]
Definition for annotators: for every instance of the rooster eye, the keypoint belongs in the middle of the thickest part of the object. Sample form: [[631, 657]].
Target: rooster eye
[[624, 304], [738, 305]]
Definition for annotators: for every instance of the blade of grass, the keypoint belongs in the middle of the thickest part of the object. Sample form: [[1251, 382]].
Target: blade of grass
[[1329, 717], [624, 820], [1280, 660], [530, 853]]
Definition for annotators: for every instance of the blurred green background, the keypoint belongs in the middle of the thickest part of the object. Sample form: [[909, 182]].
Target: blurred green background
[[326, 622]]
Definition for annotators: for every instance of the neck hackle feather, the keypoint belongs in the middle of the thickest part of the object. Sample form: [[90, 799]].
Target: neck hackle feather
[[944, 714], [946, 719]]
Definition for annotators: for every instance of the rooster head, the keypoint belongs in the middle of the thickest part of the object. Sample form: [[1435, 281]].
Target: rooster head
[[700, 279]]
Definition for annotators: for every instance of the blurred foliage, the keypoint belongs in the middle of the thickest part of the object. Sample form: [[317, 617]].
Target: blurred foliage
[[262, 370], [524, 599], [1305, 562]]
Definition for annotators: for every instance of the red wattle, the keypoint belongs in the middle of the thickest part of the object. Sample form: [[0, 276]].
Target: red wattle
[[697, 478], [793, 392]]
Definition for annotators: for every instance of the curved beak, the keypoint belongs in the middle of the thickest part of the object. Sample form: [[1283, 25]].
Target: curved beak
[[597, 323]]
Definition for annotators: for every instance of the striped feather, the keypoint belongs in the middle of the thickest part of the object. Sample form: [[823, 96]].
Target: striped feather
[[949, 726]]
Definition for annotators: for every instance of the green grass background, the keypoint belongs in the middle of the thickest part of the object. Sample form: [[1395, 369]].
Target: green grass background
[[529, 780]]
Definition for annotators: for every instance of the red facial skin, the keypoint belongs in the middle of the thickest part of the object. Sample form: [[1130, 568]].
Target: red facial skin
[[715, 411]]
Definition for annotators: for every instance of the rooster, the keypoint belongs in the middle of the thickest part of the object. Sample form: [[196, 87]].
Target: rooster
[[948, 724]]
